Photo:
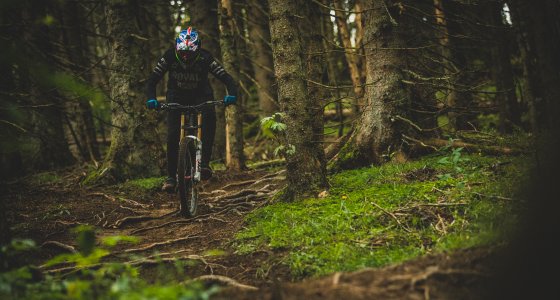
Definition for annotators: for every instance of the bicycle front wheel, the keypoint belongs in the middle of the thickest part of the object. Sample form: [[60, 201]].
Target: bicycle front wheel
[[188, 193]]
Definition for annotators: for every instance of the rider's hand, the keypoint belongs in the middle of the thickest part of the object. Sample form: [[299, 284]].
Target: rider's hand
[[152, 104], [229, 99]]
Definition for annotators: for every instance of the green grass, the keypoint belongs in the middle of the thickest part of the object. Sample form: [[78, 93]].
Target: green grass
[[46, 178], [145, 184], [440, 204]]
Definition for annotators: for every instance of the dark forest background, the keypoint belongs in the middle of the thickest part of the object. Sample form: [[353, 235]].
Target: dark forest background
[[351, 83], [325, 86]]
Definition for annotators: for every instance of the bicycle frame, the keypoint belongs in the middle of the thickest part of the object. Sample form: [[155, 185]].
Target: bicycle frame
[[191, 120], [190, 173]]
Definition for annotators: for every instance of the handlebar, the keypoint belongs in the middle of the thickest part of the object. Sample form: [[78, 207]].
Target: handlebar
[[195, 108]]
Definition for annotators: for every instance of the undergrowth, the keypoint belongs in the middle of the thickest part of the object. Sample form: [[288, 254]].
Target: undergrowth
[[88, 276], [383, 215]]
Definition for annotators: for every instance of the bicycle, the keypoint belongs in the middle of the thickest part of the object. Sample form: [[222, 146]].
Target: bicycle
[[188, 165]]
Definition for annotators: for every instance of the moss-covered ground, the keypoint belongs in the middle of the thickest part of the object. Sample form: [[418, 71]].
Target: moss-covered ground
[[387, 214]]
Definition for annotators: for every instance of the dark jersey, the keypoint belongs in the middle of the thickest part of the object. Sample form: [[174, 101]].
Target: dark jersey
[[190, 79]]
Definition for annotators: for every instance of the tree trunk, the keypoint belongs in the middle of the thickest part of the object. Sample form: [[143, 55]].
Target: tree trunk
[[502, 71], [539, 33], [460, 99], [78, 54], [293, 63], [377, 135], [235, 158], [263, 65], [350, 54], [240, 33], [331, 59], [134, 149], [204, 16], [47, 122], [422, 66]]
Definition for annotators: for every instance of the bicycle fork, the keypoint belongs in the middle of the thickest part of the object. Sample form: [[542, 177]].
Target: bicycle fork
[[196, 140]]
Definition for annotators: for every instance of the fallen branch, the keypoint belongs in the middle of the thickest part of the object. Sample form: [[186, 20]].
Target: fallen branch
[[159, 255], [59, 245], [69, 223], [492, 196], [334, 148], [222, 279], [391, 215]]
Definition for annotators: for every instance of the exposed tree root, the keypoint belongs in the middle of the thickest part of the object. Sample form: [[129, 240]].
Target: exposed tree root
[[168, 242], [235, 195], [212, 193], [212, 215], [268, 164], [152, 260], [132, 219], [133, 210], [237, 184], [436, 144], [114, 199]]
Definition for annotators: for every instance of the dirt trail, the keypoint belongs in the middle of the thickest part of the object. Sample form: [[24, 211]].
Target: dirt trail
[[48, 213]]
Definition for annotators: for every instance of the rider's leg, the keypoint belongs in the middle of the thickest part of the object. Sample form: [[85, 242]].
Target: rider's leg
[[173, 132], [208, 134]]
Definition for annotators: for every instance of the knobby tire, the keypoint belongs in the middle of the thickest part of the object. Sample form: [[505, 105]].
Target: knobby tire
[[188, 193]]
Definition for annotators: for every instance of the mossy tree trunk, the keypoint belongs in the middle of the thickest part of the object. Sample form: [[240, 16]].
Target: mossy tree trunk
[[204, 16], [296, 40], [135, 148], [378, 134], [235, 158], [263, 65]]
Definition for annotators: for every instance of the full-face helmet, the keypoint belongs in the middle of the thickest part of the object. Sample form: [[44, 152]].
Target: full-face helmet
[[187, 44]]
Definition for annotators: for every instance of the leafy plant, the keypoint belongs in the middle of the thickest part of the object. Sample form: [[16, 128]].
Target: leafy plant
[[274, 128], [106, 281], [453, 160]]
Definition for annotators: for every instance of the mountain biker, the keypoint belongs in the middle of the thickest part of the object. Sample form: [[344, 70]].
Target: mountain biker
[[188, 66]]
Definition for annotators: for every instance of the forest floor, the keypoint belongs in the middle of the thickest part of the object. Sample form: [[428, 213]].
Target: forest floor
[[47, 213]]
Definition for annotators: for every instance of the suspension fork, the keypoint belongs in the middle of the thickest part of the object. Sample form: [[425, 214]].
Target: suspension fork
[[197, 140]]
